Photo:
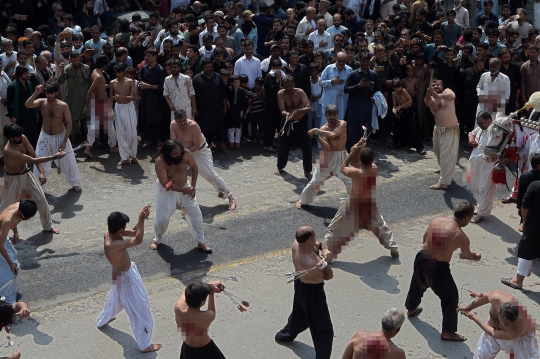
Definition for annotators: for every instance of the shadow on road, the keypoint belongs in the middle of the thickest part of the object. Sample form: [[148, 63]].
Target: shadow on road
[[500, 229], [324, 212], [432, 335], [457, 192], [198, 262], [28, 253], [300, 183], [65, 204], [373, 273], [29, 326], [209, 213], [300, 349], [126, 341]]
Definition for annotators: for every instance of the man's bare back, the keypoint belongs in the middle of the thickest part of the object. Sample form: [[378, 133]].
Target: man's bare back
[[497, 298], [190, 135], [442, 105], [99, 90], [14, 159], [368, 345], [364, 178], [122, 90], [443, 237]]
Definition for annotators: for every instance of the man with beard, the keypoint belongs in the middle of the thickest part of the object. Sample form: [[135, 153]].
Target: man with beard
[[210, 89], [61, 55], [55, 134], [9, 57], [42, 74], [18, 92], [274, 55], [445, 133], [101, 114], [190, 136], [166, 54], [512, 71], [174, 35], [234, 32], [493, 89], [333, 82], [299, 72], [4, 120], [18, 154], [178, 91], [173, 190], [469, 80], [228, 41]]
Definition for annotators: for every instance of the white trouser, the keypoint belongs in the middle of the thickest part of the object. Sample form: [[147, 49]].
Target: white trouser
[[329, 163], [525, 267], [525, 347], [48, 145], [9, 290], [446, 147], [101, 113], [126, 129], [205, 163], [167, 202], [26, 186], [235, 135], [536, 21], [4, 120], [481, 185], [127, 292]]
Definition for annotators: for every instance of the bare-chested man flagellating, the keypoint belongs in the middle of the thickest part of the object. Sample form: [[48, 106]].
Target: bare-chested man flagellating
[[368, 345], [123, 92], [19, 182], [127, 289], [9, 267], [173, 190], [509, 327], [445, 133], [194, 323], [190, 136], [332, 136], [294, 106], [432, 267], [54, 134], [11, 314]]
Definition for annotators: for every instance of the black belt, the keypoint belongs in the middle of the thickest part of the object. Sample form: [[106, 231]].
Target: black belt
[[26, 170], [203, 146]]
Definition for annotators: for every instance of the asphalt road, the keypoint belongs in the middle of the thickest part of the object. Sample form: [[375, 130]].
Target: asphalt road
[[72, 265]]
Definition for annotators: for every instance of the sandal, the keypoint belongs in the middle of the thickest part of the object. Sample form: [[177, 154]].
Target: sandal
[[270, 149], [506, 281], [147, 144], [416, 312], [423, 152], [455, 338]]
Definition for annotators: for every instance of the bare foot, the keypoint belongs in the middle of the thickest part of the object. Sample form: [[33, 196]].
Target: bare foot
[[477, 219], [232, 203], [133, 159], [88, 152], [394, 253], [113, 149], [221, 195], [15, 355], [308, 175], [154, 245], [77, 189], [298, 205], [53, 230], [152, 348], [203, 247], [439, 186], [278, 172], [124, 162], [223, 148], [111, 320]]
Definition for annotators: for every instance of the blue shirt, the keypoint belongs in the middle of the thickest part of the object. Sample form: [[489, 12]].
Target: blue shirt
[[491, 16]]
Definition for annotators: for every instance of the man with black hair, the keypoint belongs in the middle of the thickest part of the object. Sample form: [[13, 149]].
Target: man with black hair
[[18, 154], [432, 267], [509, 327], [360, 209], [127, 289], [11, 314], [309, 304], [194, 322], [173, 190], [55, 133], [10, 217]]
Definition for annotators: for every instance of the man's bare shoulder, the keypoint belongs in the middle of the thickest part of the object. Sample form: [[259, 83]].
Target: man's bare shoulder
[[499, 295], [193, 124], [448, 91], [114, 81]]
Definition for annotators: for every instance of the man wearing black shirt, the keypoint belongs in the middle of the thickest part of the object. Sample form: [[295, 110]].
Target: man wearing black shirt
[[422, 25], [299, 72], [513, 72]]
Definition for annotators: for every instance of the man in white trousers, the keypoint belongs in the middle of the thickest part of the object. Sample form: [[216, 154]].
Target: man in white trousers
[[179, 92], [332, 137], [125, 117], [478, 175], [173, 191], [190, 136], [127, 289], [54, 136], [4, 120]]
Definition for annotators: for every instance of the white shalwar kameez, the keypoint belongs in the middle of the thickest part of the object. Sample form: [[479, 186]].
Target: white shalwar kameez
[[334, 93], [100, 112], [126, 129], [167, 202], [522, 136], [525, 347], [478, 175], [329, 164], [127, 292], [48, 145], [9, 290], [4, 120], [532, 146], [205, 163], [180, 91]]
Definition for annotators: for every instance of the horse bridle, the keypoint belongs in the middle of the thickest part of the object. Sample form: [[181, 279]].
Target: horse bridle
[[497, 150]]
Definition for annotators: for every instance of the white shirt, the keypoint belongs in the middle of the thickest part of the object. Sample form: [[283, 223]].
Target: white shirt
[[6, 60], [251, 68], [265, 64], [317, 39], [204, 32], [179, 37], [179, 90], [4, 82], [532, 146], [303, 26], [207, 53], [369, 38], [332, 31], [499, 89], [462, 16]]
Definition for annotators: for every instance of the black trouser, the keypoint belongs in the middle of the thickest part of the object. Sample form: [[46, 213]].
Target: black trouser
[[300, 136], [214, 136], [310, 311], [431, 273], [406, 131], [271, 125], [209, 351], [154, 132]]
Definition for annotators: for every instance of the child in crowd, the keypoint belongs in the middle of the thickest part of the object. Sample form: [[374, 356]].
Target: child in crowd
[[410, 83], [257, 111], [314, 119], [187, 70], [250, 96], [224, 76], [237, 107]]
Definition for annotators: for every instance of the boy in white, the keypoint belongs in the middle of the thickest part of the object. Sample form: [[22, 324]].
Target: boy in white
[[179, 92]]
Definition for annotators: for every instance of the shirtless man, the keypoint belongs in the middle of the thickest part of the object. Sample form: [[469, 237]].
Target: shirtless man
[[508, 328], [445, 133], [9, 267], [309, 308], [332, 136], [11, 314], [123, 92], [360, 209], [194, 322], [101, 113], [294, 106], [173, 190], [55, 133], [19, 182], [190, 136], [405, 120], [432, 267], [127, 289], [368, 345]]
